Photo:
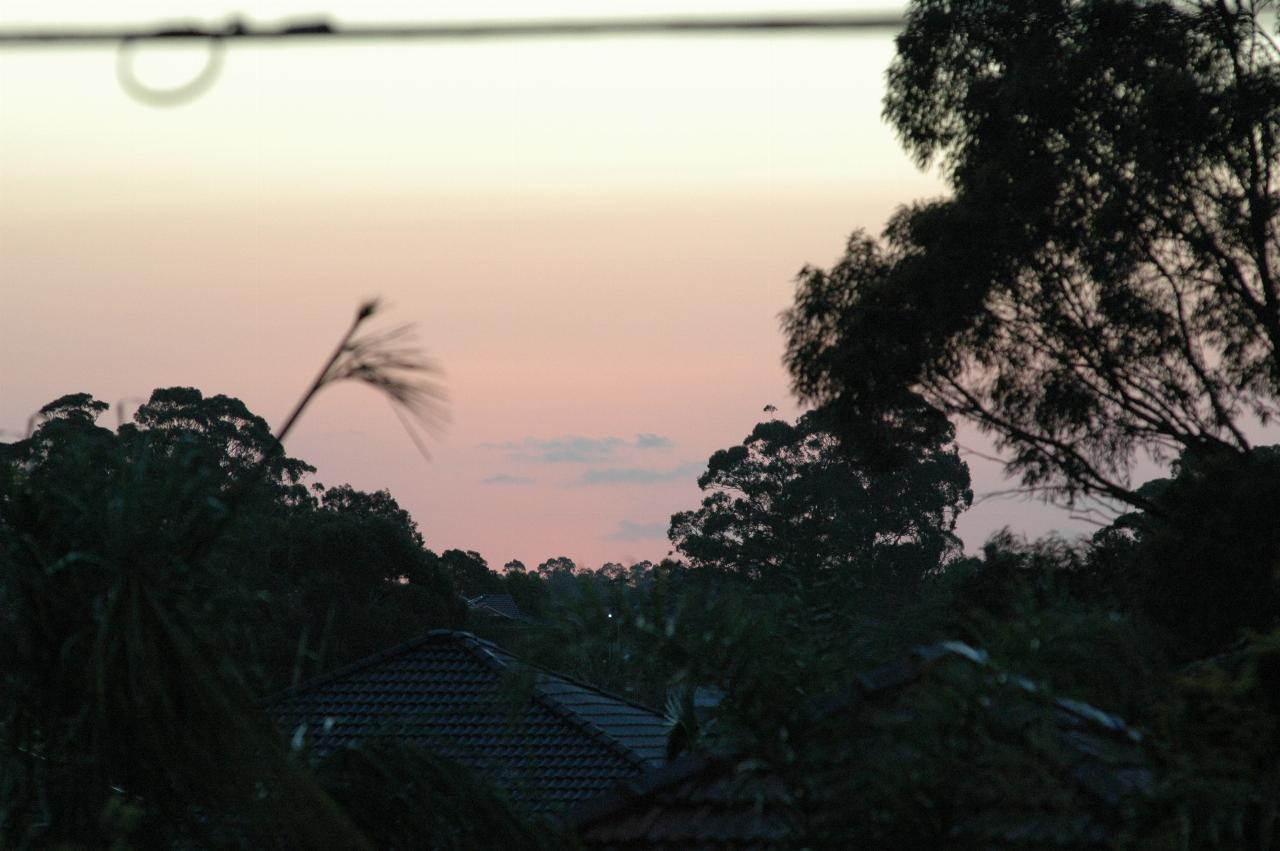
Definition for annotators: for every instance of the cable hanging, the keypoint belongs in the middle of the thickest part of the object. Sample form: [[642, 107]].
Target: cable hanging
[[237, 29], [321, 28]]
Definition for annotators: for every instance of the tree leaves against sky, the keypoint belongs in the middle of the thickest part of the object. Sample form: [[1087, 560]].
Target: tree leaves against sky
[[1104, 281]]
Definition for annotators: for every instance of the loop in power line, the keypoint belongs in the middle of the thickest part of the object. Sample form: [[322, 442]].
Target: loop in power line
[[174, 95]]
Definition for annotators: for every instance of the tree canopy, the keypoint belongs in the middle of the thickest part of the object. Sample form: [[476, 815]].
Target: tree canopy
[[791, 503], [1104, 280], [144, 618], [223, 426]]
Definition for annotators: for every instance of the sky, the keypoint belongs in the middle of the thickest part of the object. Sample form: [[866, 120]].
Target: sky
[[593, 237]]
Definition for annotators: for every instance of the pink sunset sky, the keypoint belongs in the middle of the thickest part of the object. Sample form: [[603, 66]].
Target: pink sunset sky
[[594, 237]]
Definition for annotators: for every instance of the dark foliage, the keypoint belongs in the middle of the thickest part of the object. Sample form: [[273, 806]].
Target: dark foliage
[[792, 505], [1220, 743], [156, 582], [469, 572], [125, 718], [403, 797], [1205, 561], [1105, 279]]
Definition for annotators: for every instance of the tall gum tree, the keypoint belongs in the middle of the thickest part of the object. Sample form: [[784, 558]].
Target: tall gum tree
[[1103, 282]]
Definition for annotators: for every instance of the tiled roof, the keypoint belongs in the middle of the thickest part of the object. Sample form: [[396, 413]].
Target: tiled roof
[[735, 804], [503, 605], [548, 740]]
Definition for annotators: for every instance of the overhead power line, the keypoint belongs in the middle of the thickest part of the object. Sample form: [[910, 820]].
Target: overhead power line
[[321, 28]]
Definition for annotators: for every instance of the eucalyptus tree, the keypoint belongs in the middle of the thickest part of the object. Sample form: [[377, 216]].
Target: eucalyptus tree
[[793, 505], [1103, 281]]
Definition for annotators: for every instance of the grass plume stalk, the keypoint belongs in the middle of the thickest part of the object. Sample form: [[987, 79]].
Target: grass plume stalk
[[389, 362], [386, 361]]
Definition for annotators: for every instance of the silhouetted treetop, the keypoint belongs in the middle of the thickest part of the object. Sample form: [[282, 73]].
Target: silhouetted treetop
[[1105, 279], [74, 406], [68, 423], [222, 425], [469, 572], [790, 503], [558, 565]]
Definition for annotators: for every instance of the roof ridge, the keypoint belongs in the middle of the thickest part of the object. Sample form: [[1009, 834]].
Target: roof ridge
[[595, 731], [577, 682], [598, 690], [365, 662], [489, 654], [566, 677]]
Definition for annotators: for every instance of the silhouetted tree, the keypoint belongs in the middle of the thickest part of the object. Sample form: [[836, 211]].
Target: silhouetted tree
[[124, 716], [612, 570], [469, 572], [559, 565], [182, 419], [790, 505], [1105, 279]]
